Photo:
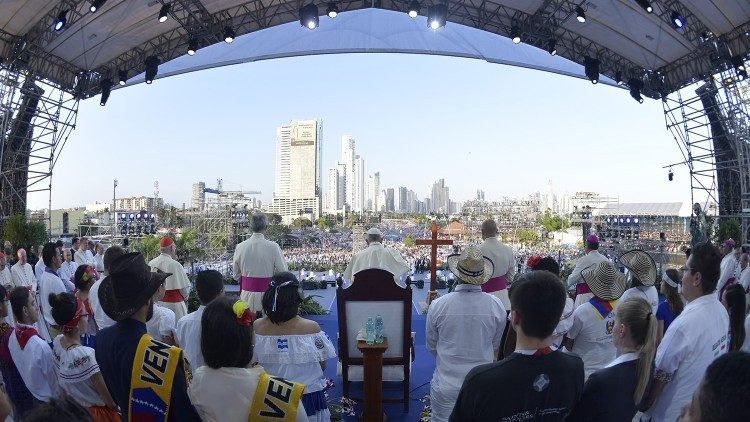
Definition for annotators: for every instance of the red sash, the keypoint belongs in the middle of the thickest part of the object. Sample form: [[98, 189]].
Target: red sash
[[173, 296], [495, 284], [255, 284], [582, 288]]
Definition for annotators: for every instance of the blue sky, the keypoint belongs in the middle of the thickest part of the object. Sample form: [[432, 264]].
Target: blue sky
[[416, 118]]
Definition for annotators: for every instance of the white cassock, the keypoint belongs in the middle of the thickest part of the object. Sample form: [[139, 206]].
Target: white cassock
[[728, 270], [591, 258], [23, 275], [67, 271], [6, 279], [39, 270], [504, 262], [177, 285], [745, 281], [84, 257], [255, 262], [377, 256]]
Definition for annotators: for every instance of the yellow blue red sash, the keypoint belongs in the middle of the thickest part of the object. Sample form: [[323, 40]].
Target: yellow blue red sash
[[154, 367], [275, 399], [603, 307]]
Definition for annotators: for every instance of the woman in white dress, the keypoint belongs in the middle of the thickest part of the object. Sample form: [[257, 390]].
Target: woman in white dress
[[78, 373], [292, 347]]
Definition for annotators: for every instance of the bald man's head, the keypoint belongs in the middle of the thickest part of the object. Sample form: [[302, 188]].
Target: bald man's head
[[489, 229]]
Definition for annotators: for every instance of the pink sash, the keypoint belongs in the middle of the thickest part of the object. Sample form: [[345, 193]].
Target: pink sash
[[582, 288], [255, 284], [495, 284]]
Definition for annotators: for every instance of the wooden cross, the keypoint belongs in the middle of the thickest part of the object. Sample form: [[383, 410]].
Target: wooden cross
[[434, 242]]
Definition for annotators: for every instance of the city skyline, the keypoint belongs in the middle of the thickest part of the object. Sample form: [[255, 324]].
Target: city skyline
[[499, 131]]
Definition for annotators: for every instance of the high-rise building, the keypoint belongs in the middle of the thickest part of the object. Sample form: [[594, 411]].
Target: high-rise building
[[298, 185], [390, 205], [480, 195], [199, 196], [373, 192], [353, 166], [439, 197], [402, 203], [334, 195], [358, 184]]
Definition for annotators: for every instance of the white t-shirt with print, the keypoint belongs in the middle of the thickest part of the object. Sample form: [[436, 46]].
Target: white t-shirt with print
[[592, 335]]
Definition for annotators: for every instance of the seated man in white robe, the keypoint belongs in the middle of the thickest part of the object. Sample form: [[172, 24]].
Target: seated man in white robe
[[22, 273], [83, 255], [375, 255]]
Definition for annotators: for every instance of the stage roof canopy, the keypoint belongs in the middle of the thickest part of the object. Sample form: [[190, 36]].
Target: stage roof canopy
[[656, 209], [628, 42]]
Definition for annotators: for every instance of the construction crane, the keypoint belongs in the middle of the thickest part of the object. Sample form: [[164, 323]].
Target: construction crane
[[221, 192]]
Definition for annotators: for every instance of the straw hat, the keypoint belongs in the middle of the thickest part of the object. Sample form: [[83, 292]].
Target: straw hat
[[605, 281], [471, 266], [129, 286], [641, 265]]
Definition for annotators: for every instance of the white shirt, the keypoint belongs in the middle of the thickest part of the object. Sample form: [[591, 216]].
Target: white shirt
[[6, 278], [49, 284], [593, 337], [39, 270], [188, 336], [566, 322], [462, 330], [377, 256], [178, 280], [225, 394], [23, 276], [36, 366], [694, 339], [74, 367], [501, 255], [648, 293], [99, 262], [84, 257], [161, 325], [101, 318], [591, 258], [728, 270], [257, 257], [746, 344], [67, 270], [745, 279]]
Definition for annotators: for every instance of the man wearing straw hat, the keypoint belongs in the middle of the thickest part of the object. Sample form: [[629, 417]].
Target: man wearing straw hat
[[590, 337], [375, 255], [591, 256], [503, 260], [463, 329], [642, 276]]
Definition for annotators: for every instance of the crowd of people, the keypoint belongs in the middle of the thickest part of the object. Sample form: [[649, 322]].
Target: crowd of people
[[103, 335]]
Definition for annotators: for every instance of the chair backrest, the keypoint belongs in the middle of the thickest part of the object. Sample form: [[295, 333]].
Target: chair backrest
[[374, 292]]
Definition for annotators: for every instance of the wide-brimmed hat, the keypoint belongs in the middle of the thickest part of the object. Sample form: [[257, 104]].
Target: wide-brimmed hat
[[605, 281], [470, 266], [641, 265], [130, 285]]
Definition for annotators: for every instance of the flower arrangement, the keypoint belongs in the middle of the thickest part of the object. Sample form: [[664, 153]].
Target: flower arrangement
[[426, 414], [338, 408]]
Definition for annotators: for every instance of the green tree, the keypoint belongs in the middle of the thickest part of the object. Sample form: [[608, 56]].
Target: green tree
[[21, 232], [276, 231], [730, 228], [302, 222], [322, 223], [409, 241], [553, 222], [273, 218], [187, 246], [36, 233], [148, 246], [527, 236]]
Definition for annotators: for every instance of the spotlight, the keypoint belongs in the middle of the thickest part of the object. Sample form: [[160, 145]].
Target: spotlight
[[670, 175], [704, 36], [332, 10], [152, 67], [741, 74], [618, 77], [192, 46], [61, 21], [414, 9], [580, 14], [515, 34], [106, 86], [308, 16], [635, 89], [646, 5], [738, 63], [436, 15], [677, 21], [164, 12], [122, 75], [551, 46], [591, 67], [96, 5], [228, 34]]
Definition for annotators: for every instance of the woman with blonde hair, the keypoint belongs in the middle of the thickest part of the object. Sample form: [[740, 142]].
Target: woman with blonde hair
[[613, 392]]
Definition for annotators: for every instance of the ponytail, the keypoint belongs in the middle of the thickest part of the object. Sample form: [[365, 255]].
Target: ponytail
[[638, 316]]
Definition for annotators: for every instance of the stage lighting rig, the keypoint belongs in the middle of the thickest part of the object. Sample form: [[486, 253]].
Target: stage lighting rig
[[580, 14], [677, 21], [164, 12], [618, 77], [61, 21], [636, 85], [152, 68], [591, 67], [308, 16], [552, 46], [96, 5], [670, 175], [515, 34], [332, 10], [645, 5], [228, 34], [437, 15], [414, 7], [106, 86], [122, 75], [192, 46]]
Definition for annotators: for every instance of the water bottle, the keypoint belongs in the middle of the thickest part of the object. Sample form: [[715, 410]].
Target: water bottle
[[379, 329], [370, 330]]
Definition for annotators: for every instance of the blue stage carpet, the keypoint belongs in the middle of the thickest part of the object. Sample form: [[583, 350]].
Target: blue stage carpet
[[421, 372]]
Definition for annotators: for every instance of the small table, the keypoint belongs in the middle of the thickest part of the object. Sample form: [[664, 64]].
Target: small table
[[373, 379]]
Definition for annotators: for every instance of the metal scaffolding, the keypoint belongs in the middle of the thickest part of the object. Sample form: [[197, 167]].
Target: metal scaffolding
[[711, 125], [36, 118]]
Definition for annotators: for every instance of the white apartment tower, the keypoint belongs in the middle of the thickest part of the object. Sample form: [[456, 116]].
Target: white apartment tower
[[373, 192], [298, 185], [353, 167]]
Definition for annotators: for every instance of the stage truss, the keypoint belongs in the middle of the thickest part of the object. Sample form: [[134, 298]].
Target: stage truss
[[36, 119], [710, 122]]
